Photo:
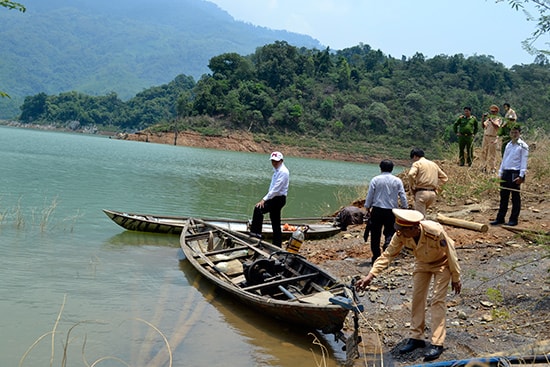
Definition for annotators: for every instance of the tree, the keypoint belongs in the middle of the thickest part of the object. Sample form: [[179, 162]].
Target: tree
[[543, 22], [10, 5]]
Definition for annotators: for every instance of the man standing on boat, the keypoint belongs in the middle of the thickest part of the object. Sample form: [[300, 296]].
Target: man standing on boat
[[434, 258], [273, 202]]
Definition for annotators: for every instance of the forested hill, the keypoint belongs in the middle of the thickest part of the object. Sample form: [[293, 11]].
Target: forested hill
[[352, 97], [122, 46]]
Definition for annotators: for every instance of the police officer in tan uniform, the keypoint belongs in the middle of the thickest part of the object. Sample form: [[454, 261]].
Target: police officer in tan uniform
[[435, 258], [425, 177], [491, 123]]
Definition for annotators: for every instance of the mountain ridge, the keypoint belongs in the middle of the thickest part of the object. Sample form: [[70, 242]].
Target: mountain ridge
[[125, 47]]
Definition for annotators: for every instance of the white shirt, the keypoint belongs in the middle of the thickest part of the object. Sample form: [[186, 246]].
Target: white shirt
[[515, 157], [384, 190], [279, 182]]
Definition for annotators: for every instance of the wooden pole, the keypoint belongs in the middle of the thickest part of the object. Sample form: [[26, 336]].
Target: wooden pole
[[462, 223]]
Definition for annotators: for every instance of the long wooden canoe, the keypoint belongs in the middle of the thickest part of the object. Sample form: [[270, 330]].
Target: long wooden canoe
[[276, 283], [174, 224]]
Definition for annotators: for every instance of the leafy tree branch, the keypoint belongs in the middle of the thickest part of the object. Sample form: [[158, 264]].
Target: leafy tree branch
[[542, 20]]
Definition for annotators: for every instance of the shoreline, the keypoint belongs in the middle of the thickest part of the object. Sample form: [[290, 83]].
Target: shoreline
[[245, 142], [241, 141]]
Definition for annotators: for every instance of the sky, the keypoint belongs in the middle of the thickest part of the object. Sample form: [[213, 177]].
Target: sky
[[399, 27]]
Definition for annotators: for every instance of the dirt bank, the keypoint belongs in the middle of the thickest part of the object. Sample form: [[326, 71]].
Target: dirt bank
[[245, 142], [505, 301]]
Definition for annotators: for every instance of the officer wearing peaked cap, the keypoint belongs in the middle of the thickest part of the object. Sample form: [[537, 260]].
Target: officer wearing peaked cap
[[435, 258], [407, 218]]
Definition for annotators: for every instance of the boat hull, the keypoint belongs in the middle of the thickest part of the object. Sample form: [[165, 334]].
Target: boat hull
[[174, 225], [311, 287]]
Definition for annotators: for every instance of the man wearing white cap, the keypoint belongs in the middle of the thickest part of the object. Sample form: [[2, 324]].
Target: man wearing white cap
[[435, 257], [273, 201]]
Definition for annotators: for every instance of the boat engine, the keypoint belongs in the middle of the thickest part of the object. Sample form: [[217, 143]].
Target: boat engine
[[262, 270]]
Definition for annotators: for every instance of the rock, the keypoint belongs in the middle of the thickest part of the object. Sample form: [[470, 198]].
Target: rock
[[462, 315], [487, 317], [486, 304]]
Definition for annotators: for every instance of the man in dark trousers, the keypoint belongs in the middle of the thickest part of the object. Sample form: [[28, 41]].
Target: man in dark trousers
[[512, 175], [384, 192], [273, 201]]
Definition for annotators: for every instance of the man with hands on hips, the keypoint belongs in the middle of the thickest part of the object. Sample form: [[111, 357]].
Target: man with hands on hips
[[435, 258]]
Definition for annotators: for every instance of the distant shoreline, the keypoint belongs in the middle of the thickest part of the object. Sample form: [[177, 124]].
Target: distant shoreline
[[233, 141], [245, 142]]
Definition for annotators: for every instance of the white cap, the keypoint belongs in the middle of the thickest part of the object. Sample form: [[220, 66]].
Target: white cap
[[406, 217], [276, 156]]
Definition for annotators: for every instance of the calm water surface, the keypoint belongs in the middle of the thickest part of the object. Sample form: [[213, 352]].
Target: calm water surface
[[68, 273]]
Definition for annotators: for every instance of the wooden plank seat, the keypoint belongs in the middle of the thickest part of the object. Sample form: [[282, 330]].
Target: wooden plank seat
[[277, 282]]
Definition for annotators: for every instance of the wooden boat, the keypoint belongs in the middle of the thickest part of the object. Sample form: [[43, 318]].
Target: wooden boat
[[277, 283], [174, 225]]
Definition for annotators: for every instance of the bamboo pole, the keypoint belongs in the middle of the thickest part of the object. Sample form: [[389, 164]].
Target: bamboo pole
[[462, 223]]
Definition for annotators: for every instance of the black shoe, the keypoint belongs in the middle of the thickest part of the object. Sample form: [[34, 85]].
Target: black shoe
[[255, 235], [512, 223], [411, 345], [496, 222], [433, 352]]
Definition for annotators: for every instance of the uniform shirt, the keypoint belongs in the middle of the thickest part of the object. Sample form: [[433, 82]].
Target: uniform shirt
[[426, 174], [384, 190], [510, 115], [434, 248], [466, 125], [510, 120], [515, 157], [279, 182], [491, 125]]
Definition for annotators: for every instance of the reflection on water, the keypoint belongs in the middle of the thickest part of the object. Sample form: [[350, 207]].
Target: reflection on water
[[278, 344], [130, 238]]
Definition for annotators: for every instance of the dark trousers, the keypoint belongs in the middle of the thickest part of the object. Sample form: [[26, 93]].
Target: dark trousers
[[466, 143], [380, 218], [272, 206], [508, 177]]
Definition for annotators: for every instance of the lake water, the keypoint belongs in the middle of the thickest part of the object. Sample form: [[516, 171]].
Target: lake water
[[75, 282]]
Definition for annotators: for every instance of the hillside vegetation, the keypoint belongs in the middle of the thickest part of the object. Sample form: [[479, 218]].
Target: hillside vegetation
[[101, 47], [353, 98]]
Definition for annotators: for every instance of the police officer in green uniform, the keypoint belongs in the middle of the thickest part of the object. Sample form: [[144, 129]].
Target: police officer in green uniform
[[465, 129]]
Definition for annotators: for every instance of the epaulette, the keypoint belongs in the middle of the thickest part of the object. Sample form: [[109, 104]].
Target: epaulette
[[431, 229], [524, 145]]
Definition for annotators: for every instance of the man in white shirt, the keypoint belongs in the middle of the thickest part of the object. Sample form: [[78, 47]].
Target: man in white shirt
[[273, 201], [512, 174], [384, 192]]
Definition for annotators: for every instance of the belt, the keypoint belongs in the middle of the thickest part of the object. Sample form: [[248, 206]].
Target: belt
[[423, 189]]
